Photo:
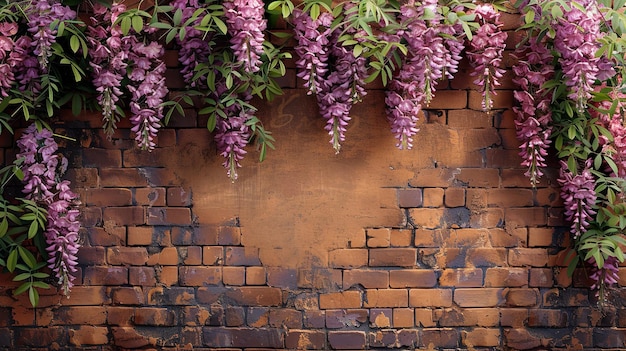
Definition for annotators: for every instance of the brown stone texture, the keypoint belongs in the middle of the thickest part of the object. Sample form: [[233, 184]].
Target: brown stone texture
[[443, 247]]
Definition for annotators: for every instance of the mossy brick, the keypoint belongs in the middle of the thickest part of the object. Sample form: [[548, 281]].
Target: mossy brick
[[348, 258], [378, 237], [410, 197], [155, 316], [534, 257], [461, 277], [285, 318], [481, 337], [142, 276], [199, 275], [168, 216], [412, 278], [88, 335], [91, 255], [139, 236], [101, 158], [522, 297], [442, 337], [256, 276], [343, 299], [105, 275], [430, 297], [234, 316], [386, 298], [234, 276], [127, 295], [433, 197], [282, 277], [487, 257], [178, 196], [242, 256], [220, 337], [150, 197], [123, 255], [367, 278], [393, 257], [506, 277], [255, 295], [120, 216], [299, 339], [107, 197], [122, 177], [478, 297], [191, 255], [347, 340]]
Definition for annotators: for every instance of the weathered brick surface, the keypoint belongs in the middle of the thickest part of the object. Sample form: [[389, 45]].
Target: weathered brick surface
[[446, 246]]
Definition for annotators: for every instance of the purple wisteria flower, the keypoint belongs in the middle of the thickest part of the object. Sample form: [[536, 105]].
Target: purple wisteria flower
[[485, 52], [533, 115], [313, 38], [576, 40], [194, 49], [579, 197], [246, 26], [43, 168], [42, 16], [603, 278]]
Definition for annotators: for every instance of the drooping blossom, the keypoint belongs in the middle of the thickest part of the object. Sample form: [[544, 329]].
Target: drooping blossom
[[313, 37], [428, 54], [485, 52], [533, 115], [43, 168], [194, 48], [605, 277], [246, 26], [343, 86], [576, 40], [579, 197], [7, 44]]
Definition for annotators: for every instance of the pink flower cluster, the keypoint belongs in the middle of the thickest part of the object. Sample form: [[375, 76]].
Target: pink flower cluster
[[194, 49], [433, 52], [115, 57], [42, 15], [603, 277], [246, 23], [42, 169], [579, 197], [485, 52], [231, 138], [534, 115], [9, 57], [576, 41], [313, 38]]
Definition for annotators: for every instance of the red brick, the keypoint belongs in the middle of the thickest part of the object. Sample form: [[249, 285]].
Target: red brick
[[127, 255], [167, 275], [540, 278], [279, 277], [168, 256], [434, 177], [380, 317], [409, 198], [487, 257], [526, 217], [256, 276], [212, 255], [510, 197], [403, 317], [483, 297], [88, 255], [122, 177], [347, 340], [393, 257], [199, 275], [506, 277], [107, 197], [348, 258], [127, 296], [124, 215], [150, 196], [426, 218], [128, 338], [140, 236], [305, 340], [454, 197], [142, 276], [442, 337], [379, 237], [345, 299], [368, 278], [155, 316], [168, 216], [89, 335], [91, 217], [99, 275], [82, 177], [522, 297], [401, 238], [449, 99], [191, 255], [433, 197], [481, 337], [412, 278], [234, 275], [513, 317], [386, 298], [80, 315], [467, 278], [177, 196], [285, 318], [120, 315], [102, 158], [528, 257], [255, 296], [242, 256], [87, 296], [540, 237]]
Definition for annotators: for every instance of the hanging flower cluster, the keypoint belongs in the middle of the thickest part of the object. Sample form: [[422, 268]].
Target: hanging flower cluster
[[533, 69], [604, 277], [41, 16], [485, 52], [579, 196], [194, 48], [42, 170], [246, 24], [313, 38]]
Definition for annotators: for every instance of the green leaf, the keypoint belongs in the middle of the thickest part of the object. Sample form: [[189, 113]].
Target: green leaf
[[137, 23], [27, 257], [12, 260], [530, 16], [22, 288], [125, 25], [33, 296], [74, 43], [4, 226], [211, 122], [21, 276], [33, 229]]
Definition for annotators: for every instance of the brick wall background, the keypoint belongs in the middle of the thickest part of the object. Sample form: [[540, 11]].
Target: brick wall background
[[443, 247]]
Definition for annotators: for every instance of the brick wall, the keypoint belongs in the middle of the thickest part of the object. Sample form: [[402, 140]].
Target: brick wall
[[442, 247]]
